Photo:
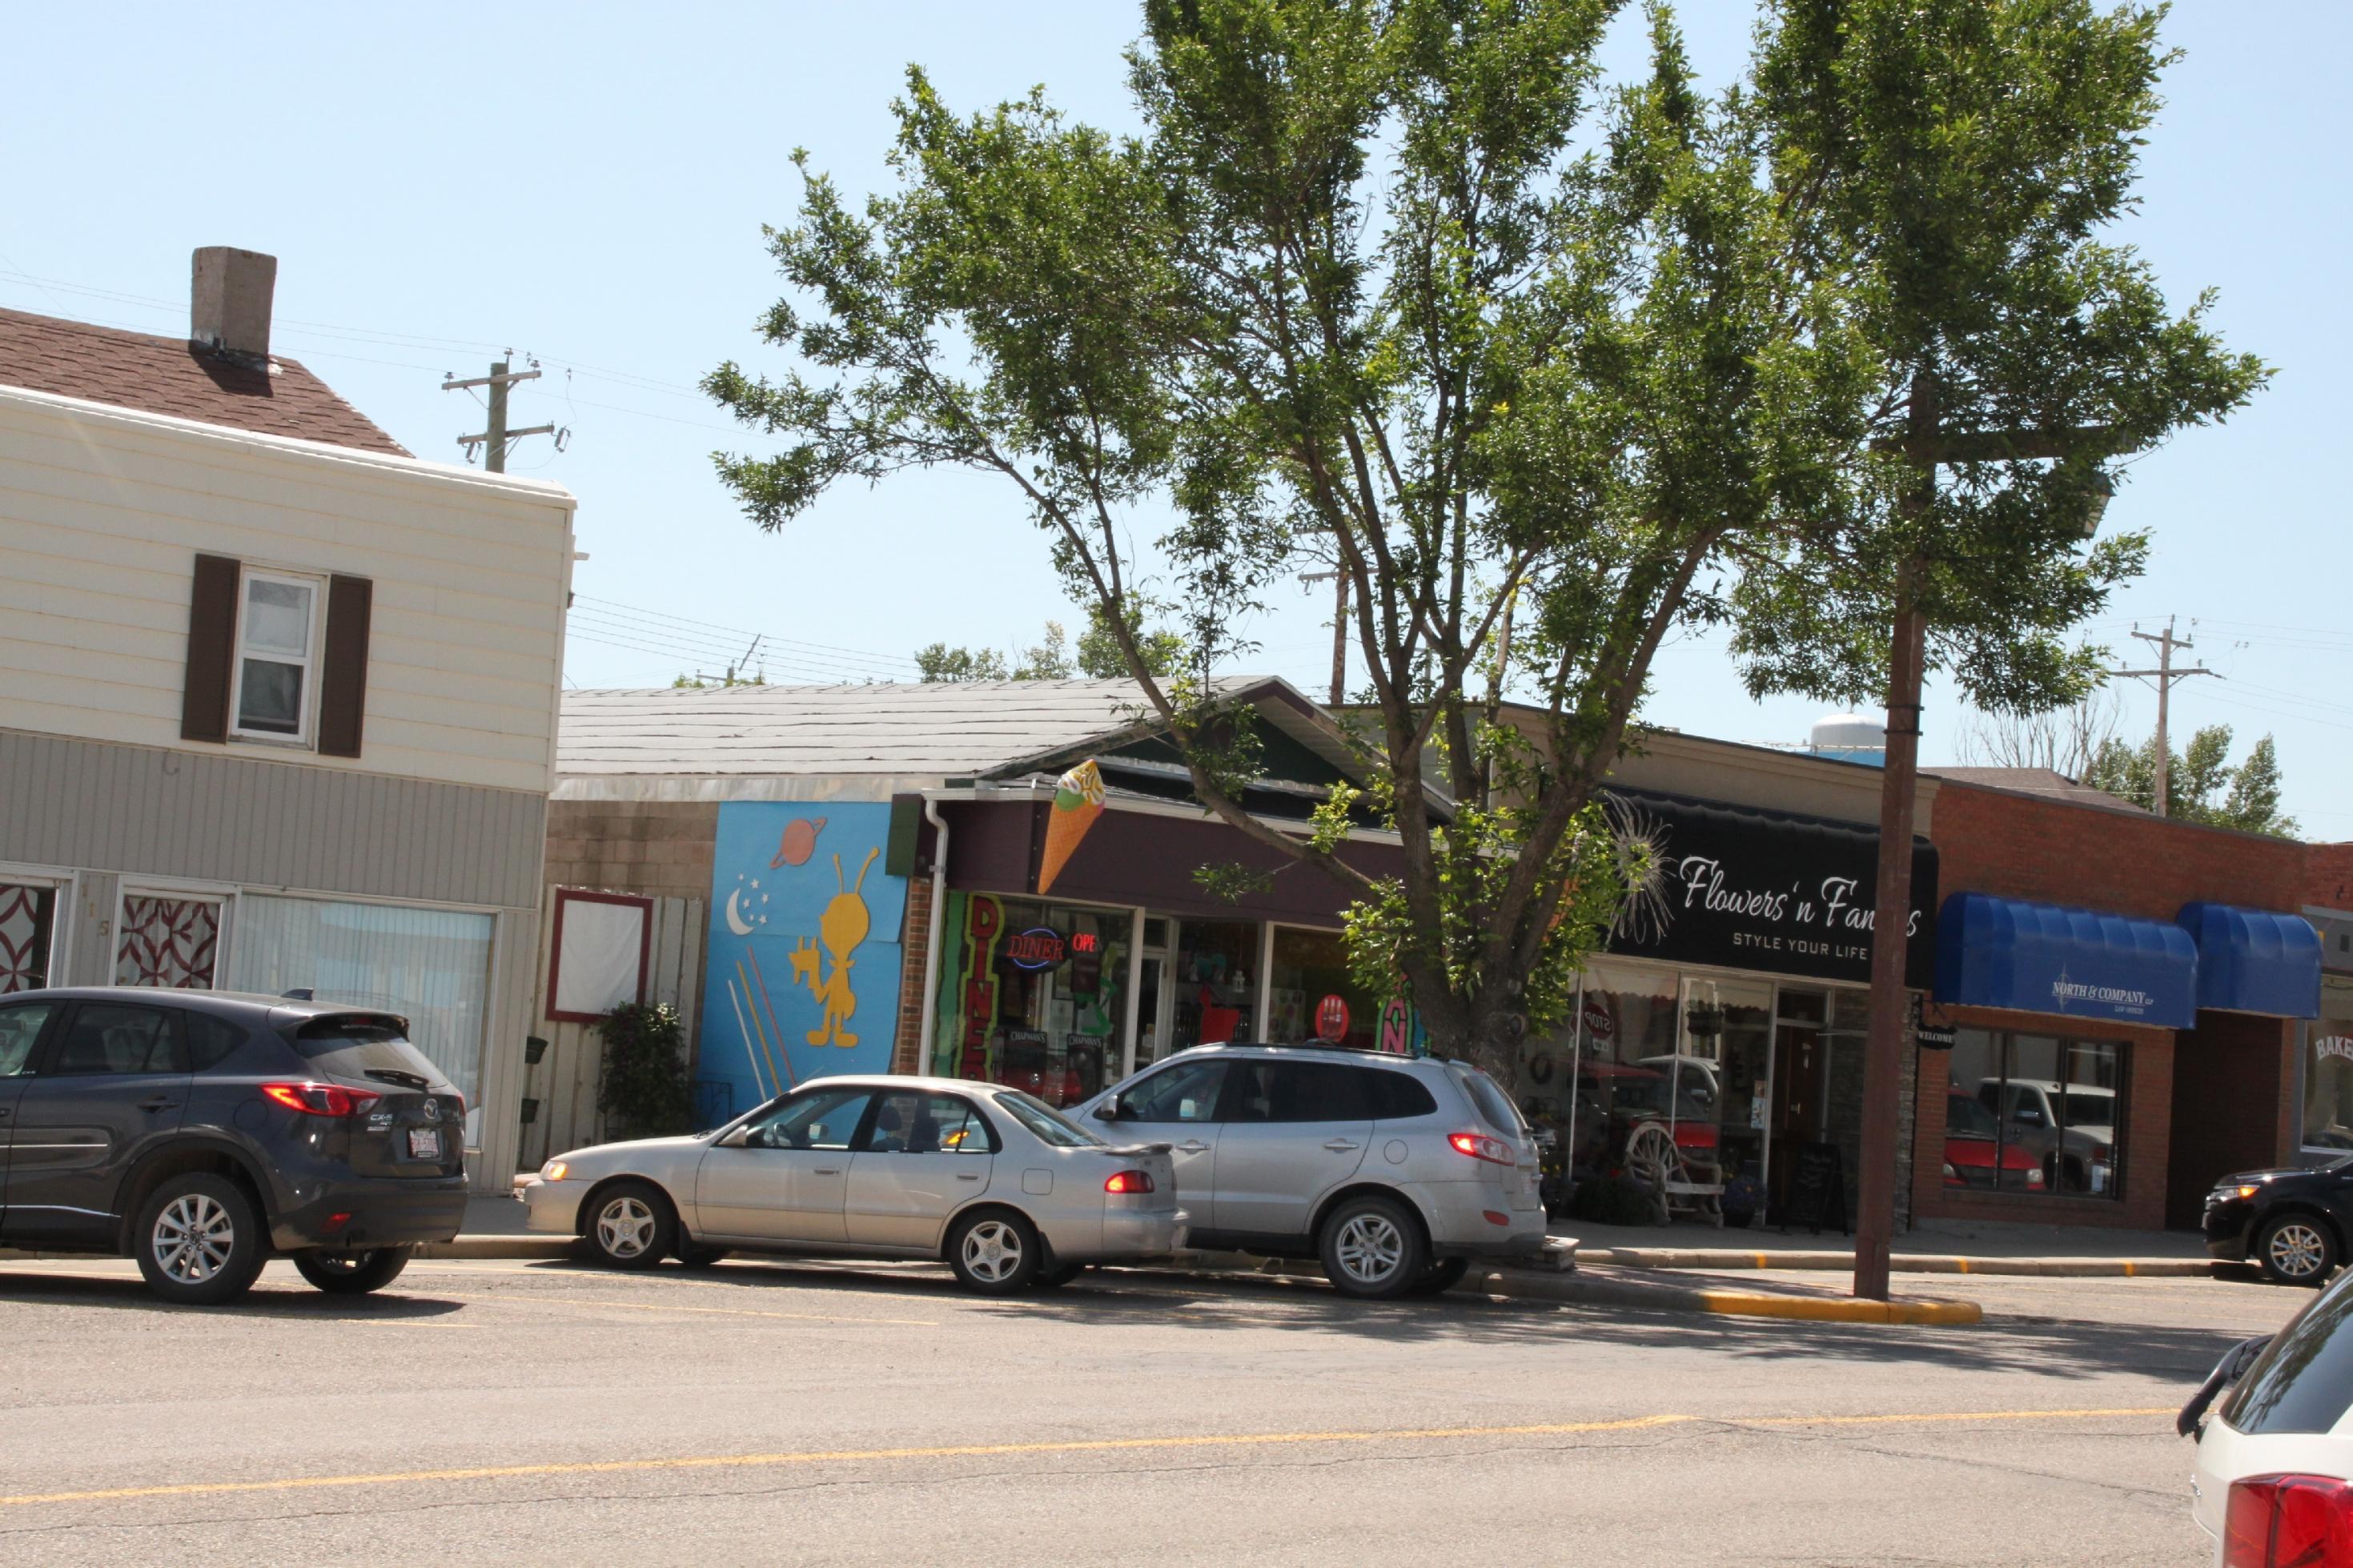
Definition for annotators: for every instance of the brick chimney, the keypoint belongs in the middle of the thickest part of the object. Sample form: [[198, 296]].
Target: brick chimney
[[230, 302]]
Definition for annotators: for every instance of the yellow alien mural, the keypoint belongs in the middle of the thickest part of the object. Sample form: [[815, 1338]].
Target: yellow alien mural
[[839, 930]]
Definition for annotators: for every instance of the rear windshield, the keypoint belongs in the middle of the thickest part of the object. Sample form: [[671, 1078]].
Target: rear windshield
[[371, 1047], [1045, 1123], [1494, 1106], [2305, 1381]]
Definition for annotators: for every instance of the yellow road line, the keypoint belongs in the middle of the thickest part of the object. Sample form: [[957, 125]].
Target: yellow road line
[[528, 1301], [1009, 1450]]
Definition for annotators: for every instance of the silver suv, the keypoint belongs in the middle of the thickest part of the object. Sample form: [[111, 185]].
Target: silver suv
[[1395, 1173]]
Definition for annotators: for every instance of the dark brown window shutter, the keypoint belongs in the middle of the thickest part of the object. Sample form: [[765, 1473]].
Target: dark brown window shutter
[[342, 684], [212, 649]]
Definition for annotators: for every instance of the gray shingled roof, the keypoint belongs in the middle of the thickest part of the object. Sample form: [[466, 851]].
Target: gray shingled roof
[[2048, 782], [945, 730]]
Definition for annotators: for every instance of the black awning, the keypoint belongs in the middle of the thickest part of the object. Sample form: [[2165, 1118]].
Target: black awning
[[1745, 888]]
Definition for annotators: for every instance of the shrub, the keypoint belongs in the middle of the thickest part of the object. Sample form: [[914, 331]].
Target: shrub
[[644, 1091]]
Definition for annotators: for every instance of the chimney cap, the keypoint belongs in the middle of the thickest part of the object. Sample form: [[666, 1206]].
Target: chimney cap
[[230, 295]]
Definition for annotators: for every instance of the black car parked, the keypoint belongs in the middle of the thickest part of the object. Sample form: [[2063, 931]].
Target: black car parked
[[198, 1132], [2294, 1222]]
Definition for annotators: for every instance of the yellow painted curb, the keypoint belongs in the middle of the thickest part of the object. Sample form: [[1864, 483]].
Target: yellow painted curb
[[1842, 1310]]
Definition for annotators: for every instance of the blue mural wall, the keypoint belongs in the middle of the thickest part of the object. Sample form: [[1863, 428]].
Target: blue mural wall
[[803, 976]]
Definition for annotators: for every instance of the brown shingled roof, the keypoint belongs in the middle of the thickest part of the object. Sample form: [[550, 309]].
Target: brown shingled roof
[[172, 375]]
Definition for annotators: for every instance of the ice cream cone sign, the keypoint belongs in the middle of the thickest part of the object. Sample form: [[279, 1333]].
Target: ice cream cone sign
[[1078, 801]]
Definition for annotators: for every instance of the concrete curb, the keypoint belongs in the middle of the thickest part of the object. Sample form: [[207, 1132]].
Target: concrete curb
[[1902, 1263]]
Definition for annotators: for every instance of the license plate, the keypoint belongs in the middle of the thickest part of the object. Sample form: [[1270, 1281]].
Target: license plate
[[425, 1142]]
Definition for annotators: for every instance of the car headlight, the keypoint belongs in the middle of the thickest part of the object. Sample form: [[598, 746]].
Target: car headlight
[[552, 1171]]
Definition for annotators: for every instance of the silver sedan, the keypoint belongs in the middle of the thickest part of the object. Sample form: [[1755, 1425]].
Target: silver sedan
[[993, 1182]]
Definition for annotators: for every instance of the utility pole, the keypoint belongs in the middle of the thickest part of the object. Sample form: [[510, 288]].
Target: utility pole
[[495, 440], [2162, 678], [1925, 444], [1339, 631]]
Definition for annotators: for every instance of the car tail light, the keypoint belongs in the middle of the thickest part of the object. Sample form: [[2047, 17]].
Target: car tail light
[[1479, 1146], [321, 1099], [2274, 1521], [1129, 1182]]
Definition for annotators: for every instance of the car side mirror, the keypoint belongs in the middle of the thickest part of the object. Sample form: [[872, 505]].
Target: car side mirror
[[1109, 1111], [736, 1138]]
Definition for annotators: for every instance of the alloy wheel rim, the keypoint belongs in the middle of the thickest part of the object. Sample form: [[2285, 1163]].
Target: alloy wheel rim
[[1371, 1248], [992, 1251], [626, 1228], [194, 1237], [2296, 1250]]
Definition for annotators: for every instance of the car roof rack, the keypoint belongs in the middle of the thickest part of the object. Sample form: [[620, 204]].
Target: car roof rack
[[1296, 1046]]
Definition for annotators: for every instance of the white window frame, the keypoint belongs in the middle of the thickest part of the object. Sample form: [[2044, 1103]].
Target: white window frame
[[305, 736], [224, 894], [62, 882]]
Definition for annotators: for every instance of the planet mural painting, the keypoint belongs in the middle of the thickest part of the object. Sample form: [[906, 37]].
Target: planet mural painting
[[798, 843], [798, 939]]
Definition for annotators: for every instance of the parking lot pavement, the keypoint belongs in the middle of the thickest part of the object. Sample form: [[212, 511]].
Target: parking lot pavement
[[512, 1412]]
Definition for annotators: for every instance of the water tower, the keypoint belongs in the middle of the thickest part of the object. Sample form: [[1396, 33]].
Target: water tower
[[1851, 738]]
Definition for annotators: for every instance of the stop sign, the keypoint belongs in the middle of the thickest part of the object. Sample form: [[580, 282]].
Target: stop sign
[[1332, 1017]]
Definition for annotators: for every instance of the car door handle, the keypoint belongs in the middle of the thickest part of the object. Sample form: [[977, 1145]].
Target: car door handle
[[967, 1175], [827, 1171], [157, 1102], [1194, 1147], [1340, 1145]]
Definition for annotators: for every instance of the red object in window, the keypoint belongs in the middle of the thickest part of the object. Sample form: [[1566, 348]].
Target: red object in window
[[1332, 1017], [321, 1099], [2274, 1521], [1219, 1024]]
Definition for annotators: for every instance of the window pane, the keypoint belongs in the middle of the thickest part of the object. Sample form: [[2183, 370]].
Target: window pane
[[1185, 1093], [1398, 1096], [2328, 1070], [1049, 1125], [819, 1119], [26, 917], [169, 943], [270, 698], [430, 966], [1320, 1092], [20, 1026], [107, 1039], [1310, 966], [1976, 1154], [210, 1039], [277, 616], [2303, 1383]]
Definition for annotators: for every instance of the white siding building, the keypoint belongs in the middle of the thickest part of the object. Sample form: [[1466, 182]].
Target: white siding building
[[277, 699]]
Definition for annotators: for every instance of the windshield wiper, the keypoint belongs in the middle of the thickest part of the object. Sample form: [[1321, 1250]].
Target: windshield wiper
[[404, 1079]]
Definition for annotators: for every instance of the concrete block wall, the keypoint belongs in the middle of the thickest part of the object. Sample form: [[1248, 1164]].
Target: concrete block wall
[[659, 847]]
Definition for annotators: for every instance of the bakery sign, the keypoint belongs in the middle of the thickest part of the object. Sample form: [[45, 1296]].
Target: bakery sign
[[1746, 889]]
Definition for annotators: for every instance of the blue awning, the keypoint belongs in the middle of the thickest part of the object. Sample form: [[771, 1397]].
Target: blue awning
[[2252, 961], [2043, 958]]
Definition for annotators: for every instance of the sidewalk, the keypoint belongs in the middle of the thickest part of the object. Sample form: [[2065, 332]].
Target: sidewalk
[[1933, 1247]]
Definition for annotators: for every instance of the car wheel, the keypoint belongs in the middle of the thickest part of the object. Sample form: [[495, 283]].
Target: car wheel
[[1372, 1249], [1056, 1277], [694, 1255], [200, 1240], [354, 1272], [2296, 1249], [1443, 1276], [631, 1226], [993, 1252]]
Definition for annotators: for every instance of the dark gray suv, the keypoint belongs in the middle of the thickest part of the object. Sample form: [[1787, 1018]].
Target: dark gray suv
[[198, 1132]]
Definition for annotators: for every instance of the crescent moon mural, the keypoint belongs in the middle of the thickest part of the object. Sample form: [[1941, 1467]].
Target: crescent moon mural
[[735, 921]]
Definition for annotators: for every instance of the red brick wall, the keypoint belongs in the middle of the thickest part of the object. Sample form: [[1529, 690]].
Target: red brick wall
[[914, 953], [2217, 1092]]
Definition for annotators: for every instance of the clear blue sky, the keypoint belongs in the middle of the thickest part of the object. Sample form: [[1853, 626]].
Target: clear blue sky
[[587, 182]]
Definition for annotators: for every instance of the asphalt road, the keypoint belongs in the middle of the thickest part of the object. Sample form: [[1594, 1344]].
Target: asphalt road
[[493, 1412]]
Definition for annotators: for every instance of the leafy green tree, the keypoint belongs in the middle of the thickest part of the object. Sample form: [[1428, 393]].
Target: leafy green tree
[[1397, 284], [938, 661], [2200, 785], [1101, 657]]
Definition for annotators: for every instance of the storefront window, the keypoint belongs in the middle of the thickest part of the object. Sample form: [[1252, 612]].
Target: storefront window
[[1216, 995], [1627, 1034], [2328, 1069], [432, 967], [28, 917], [2035, 1113], [167, 941], [1034, 995], [1309, 966], [1729, 1042]]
